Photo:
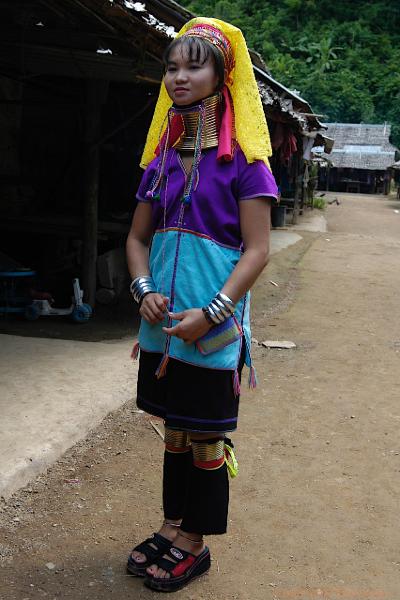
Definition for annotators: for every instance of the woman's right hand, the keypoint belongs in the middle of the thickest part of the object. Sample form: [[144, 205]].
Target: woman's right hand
[[154, 307]]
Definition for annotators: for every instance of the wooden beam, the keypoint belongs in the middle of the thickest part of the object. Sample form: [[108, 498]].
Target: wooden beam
[[148, 79], [127, 121], [93, 14], [96, 91], [56, 10], [21, 4]]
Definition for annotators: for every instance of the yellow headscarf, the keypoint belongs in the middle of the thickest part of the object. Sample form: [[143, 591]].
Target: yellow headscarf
[[250, 124]]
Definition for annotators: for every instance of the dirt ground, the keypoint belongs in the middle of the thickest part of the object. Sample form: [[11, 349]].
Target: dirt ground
[[314, 511]]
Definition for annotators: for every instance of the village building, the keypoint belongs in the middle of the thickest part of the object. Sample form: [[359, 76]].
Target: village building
[[295, 130], [360, 160], [78, 83]]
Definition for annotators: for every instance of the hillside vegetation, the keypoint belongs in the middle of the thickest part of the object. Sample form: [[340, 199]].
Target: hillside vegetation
[[343, 57]]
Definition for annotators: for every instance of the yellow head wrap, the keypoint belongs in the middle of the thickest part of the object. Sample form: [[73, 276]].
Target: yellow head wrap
[[250, 123]]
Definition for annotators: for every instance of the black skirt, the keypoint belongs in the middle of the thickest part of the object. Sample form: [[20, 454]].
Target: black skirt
[[187, 397]]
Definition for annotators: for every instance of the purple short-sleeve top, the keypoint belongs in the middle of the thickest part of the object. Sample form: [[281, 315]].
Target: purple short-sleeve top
[[214, 209]]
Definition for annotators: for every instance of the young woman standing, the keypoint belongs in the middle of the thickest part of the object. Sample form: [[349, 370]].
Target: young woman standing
[[199, 240]]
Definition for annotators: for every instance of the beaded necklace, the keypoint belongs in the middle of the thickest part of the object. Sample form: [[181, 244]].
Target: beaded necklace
[[204, 115]]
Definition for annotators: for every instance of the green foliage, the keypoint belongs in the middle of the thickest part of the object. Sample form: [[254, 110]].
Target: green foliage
[[343, 57], [319, 203]]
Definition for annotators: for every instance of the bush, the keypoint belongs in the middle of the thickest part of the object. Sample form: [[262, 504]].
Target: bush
[[319, 203]]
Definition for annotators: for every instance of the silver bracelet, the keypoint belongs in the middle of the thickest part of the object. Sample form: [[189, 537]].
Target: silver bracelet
[[141, 286], [219, 310]]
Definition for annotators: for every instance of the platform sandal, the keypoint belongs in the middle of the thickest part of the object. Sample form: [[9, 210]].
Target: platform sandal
[[153, 548], [182, 568]]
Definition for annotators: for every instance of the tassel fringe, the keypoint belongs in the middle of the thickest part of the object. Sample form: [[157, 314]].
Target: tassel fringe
[[230, 461], [236, 383], [162, 367], [252, 378], [135, 351]]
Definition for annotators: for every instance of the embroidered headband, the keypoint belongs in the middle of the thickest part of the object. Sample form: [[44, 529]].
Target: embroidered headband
[[217, 38]]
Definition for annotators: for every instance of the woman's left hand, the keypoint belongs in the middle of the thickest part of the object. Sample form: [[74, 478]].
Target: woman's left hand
[[192, 325]]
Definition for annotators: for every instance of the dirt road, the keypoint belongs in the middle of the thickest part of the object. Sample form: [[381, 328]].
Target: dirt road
[[314, 512]]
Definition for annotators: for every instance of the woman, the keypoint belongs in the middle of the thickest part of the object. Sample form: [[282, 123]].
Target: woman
[[199, 240]]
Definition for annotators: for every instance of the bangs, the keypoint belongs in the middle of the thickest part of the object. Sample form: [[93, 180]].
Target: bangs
[[196, 49]]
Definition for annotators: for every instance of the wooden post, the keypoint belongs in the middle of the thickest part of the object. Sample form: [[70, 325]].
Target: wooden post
[[328, 172], [95, 97], [298, 185]]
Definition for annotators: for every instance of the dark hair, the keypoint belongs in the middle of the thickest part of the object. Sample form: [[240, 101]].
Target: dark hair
[[199, 50]]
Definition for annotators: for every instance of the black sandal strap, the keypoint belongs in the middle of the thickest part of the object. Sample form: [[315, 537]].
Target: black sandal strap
[[161, 544], [177, 555], [165, 564]]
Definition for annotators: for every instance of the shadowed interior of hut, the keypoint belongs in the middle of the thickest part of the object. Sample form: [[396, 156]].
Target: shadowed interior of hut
[[76, 100], [43, 193]]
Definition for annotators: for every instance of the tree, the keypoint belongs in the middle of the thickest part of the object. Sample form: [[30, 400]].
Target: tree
[[343, 56]]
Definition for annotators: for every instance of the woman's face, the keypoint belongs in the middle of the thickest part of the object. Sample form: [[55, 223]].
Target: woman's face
[[188, 81]]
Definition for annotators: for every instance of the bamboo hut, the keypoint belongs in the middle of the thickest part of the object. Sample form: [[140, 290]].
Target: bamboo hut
[[360, 160]]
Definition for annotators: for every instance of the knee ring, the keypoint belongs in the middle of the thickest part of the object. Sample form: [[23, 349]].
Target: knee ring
[[209, 454], [176, 442]]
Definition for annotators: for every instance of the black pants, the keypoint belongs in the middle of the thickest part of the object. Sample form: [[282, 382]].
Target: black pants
[[200, 497]]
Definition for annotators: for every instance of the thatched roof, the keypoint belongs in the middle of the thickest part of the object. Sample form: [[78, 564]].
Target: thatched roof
[[361, 146]]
